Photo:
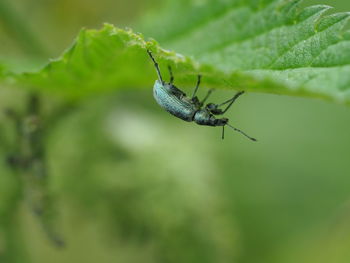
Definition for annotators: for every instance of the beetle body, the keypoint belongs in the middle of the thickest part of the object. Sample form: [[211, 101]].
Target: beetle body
[[175, 101]]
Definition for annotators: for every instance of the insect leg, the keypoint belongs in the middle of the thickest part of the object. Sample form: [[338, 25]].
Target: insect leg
[[197, 86], [230, 101], [171, 74], [207, 96], [156, 65], [214, 108]]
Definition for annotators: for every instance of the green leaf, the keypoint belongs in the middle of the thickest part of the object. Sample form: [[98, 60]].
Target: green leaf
[[260, 46], [102, 60], [302, 51]]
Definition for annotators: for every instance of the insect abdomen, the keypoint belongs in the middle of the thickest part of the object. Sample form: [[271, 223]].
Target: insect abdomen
[[173, 104]]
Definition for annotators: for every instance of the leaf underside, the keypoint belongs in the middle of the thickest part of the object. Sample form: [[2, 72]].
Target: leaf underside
[[273, 47]]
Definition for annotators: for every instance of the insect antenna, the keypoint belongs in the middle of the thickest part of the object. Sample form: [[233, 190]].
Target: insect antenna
[[238, 130], [156, 65]]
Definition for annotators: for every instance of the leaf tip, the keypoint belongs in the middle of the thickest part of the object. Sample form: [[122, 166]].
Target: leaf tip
[[315, 10], [330, 20]]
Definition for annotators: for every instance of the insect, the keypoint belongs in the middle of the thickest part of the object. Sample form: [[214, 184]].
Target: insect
[[175, 101]]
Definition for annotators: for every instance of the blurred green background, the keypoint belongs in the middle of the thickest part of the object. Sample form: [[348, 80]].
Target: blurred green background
[[130, 183]]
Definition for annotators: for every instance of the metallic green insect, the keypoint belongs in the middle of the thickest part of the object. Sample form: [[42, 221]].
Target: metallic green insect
[[175, 101]]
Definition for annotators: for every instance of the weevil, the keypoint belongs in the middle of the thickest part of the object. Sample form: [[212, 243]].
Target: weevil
[[175, 101]]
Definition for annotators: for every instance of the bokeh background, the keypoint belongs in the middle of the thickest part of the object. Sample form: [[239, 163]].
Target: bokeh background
[[130, 183]]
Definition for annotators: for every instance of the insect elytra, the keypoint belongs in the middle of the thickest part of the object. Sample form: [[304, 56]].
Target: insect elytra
[[189, 109]]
